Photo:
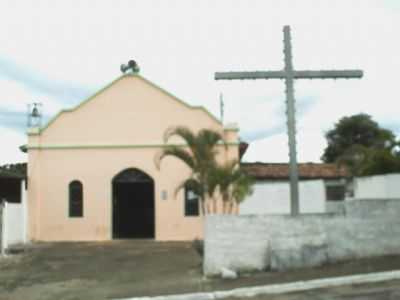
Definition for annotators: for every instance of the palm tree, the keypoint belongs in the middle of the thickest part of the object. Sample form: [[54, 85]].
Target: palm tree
[[233, 184], [242, 187], [200, 157]]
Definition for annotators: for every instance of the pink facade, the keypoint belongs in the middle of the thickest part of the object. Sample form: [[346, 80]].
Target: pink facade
[[119, 128]]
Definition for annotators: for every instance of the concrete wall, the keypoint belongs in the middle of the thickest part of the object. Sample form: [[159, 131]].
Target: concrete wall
[[14, 222], [258, 242], [379, 186], [335, 207], [373, 208], [273, 197]]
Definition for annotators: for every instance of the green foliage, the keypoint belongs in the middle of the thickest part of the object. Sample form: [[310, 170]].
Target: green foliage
[[354, 159], [233, 184], [362, 146], [243, 187], [381, 161], [208, 177], [359, 130], [200, 156]]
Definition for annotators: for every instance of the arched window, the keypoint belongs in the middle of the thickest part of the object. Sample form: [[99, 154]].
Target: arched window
[[191, 202], [75, 199]]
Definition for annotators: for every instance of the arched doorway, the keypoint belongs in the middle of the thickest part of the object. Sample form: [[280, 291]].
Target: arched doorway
[[133, 205]]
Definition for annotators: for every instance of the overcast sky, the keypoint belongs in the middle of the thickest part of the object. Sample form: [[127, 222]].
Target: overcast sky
[[60, 52]]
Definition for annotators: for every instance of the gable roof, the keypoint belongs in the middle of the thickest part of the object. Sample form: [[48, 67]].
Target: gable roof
[[52, 120], [280, 171]]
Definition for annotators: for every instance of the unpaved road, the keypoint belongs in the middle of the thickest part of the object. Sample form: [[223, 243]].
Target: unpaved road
[[123, 269], [100, 270]]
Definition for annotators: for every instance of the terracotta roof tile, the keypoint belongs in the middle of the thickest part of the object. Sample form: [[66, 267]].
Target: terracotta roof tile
[[306, 170]]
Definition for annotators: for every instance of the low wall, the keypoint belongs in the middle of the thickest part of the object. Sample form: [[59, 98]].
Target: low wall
[[258, 242]]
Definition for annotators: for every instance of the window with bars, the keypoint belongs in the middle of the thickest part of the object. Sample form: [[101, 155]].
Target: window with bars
[[75, 199]]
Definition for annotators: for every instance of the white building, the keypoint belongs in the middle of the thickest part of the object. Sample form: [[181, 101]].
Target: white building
[[386, 186], [319, 183]]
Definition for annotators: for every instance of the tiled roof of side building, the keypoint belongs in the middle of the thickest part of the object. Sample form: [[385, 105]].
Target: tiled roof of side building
[[277, 171]]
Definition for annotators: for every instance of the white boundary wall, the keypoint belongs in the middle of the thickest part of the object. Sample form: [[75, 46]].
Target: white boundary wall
[[273, 197], [15, 222], [378, 186], [258, 242]]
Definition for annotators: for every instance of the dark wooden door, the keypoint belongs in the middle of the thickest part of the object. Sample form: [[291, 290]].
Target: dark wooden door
[[133, 208]]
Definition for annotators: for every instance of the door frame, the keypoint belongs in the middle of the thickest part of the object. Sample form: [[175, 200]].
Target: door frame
[[136, 176]]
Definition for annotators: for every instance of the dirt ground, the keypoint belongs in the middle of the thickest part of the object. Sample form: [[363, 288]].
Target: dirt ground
[[102, 270], [123, 269]]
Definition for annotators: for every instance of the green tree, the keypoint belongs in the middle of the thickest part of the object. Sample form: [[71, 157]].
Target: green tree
[[199, 156], [356, 130], [353, 159], [363, 146], [381, 161]]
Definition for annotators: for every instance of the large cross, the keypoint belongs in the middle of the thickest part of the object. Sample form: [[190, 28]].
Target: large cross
[[289, 74]]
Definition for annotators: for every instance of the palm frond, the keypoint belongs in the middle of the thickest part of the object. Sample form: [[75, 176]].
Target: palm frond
[[179, 153], [232, 182], [242, 188], [183, 132], [208, 141], [200, 156], [213, 180], [210, 137]]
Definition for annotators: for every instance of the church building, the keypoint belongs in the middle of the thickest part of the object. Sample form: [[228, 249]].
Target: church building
[[92, 173]]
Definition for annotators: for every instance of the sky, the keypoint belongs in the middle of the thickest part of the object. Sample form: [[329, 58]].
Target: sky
[[60, 52]]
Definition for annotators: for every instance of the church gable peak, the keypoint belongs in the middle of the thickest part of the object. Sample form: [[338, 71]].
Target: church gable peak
[[112, 85]]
